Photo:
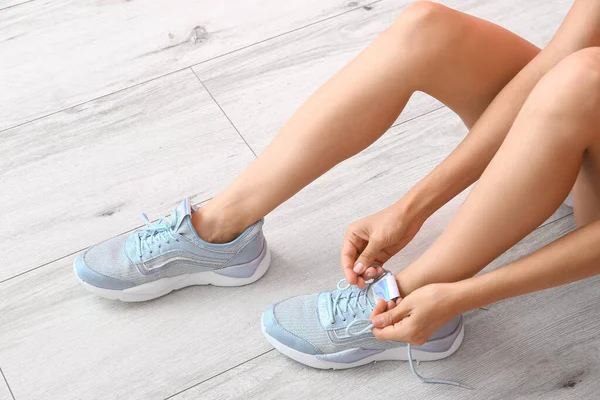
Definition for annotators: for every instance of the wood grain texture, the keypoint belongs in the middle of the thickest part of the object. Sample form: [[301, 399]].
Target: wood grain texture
[[66, 331], [4, 391], [260, 87], [11, 3], [52, 330], [84, 56], [82, 175], [85, 174], [540, 346]]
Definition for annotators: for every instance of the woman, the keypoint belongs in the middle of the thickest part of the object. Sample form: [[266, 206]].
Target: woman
[[534, 120]]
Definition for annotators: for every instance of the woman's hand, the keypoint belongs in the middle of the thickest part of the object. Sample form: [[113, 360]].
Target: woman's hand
[[418, 316], [372, 241]]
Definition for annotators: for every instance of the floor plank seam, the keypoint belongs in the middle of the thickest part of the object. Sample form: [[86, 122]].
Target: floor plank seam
[[7, 385], [268, 351], [255, 155], [288, 32], [80, 250], [70, 254], [196, 204], [553, 222], [223, 111], [16, 5], [417, 116], [183, 68], [219, 374]]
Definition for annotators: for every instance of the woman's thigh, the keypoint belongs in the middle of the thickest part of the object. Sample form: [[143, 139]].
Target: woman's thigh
[[586, 200], [468, 60]]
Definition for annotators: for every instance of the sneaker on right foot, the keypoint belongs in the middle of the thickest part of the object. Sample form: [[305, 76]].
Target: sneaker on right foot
[[332, 330], [169, 255]]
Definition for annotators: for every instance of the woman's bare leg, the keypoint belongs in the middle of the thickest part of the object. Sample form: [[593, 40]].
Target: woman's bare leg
[[461, 60], [554, 135], [556, 131]]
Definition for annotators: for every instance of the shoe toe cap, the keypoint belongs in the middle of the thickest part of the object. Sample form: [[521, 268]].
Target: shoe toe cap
[[94, 278], [274, 329]]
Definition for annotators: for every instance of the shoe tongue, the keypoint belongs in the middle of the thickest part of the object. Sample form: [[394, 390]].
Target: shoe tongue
[[183, 210], [384, 288]]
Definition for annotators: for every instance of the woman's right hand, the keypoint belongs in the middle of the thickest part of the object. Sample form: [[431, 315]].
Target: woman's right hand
[[372, 241]]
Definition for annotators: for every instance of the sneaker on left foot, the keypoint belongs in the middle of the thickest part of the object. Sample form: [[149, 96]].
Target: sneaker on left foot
[[169, 255]]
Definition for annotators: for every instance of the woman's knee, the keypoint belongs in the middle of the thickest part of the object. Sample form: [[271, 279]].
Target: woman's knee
[[578, 75], [427, 26], [568, 98], [573, 85]]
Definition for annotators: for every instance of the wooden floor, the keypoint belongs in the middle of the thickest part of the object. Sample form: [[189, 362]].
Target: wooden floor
[[110, 108]]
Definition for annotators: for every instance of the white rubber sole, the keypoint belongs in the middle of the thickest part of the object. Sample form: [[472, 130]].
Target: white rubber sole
[[161, 287], [398, 354]]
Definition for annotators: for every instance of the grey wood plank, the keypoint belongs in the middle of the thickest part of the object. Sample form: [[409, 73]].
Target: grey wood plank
[[58, 54], [85, 174], [4, 390], [11, 3], [532, 347], [52, 330], [260, 87]]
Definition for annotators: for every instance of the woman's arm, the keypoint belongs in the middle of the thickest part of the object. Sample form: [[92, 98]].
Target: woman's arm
[[571, 258], [373, 240]]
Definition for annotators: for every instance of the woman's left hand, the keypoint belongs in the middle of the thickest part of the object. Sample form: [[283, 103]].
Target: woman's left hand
[[418, 316]]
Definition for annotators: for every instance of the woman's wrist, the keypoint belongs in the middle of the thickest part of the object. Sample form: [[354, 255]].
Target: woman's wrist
[[415, 206], [427, 196], [476, 292]]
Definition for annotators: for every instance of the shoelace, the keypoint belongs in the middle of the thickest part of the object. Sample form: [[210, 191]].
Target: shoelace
[[343, 303], [163, 230], [350, 301]]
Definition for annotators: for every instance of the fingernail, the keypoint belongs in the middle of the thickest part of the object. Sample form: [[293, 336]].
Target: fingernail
[[359, 268], [378, 321]]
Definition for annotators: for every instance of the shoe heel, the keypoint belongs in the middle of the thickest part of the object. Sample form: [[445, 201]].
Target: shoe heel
[[244, 274]]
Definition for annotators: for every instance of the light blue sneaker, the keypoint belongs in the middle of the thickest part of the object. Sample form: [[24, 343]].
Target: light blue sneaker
[[167, 256], [332, 330]]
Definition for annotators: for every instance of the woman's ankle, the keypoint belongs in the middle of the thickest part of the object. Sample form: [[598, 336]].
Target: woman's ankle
[[215, 225], [408, 282], [402, 287]]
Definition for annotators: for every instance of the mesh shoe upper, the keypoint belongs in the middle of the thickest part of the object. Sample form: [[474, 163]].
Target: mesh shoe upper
[[164, 249], [319, 322], [308, 318]]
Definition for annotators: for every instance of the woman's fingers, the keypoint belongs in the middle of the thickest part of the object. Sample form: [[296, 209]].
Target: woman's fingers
[[380, 308], [391, 304], [373, 272], [390, 325], [360, 282], [349, 256], [367, 257], [396, 332], [370, 273], [360, 259], [389, 317]]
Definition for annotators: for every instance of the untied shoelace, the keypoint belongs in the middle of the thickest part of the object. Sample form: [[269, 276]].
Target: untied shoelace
[[359, 299]]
